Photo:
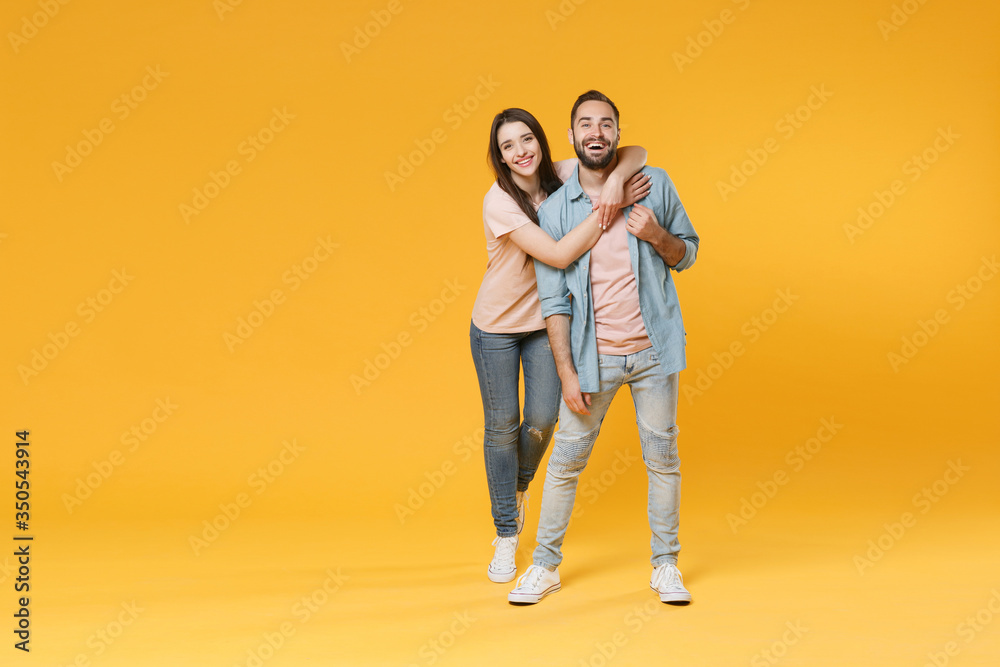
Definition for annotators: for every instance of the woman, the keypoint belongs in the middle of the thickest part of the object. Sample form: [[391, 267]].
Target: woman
[[507, 331]]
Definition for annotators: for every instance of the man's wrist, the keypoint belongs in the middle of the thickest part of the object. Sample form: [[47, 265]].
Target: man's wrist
[[662, 240], [566, 374]]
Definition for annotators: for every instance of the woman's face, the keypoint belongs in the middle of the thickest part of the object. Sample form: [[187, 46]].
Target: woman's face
[[519, 148]]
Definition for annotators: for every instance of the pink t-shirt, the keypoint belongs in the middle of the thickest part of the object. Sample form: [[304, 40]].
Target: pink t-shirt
[[507, 301], [619, 326]]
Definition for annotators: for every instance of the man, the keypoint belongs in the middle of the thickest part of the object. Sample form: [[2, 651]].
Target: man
[[613, 319]]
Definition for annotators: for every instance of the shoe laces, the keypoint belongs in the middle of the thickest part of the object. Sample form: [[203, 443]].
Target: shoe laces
[[668, 576], [506, 548], [532, 577]]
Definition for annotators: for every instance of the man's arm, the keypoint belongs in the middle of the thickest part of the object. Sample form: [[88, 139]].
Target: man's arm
[[642, 223], [558, 328], [673, 238], [554, 294]]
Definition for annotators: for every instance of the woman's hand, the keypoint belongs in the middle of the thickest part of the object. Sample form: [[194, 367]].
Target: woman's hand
[[616, 195], [610, 200], [636, 189]]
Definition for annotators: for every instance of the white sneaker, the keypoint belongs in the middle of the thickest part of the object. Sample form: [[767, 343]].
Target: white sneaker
[[535, 584], [502, 568], [522, 507], [667, 581]]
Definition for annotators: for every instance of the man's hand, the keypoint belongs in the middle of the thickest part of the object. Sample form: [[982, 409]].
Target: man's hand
[[558, 327], [575, 399], [642, 224]]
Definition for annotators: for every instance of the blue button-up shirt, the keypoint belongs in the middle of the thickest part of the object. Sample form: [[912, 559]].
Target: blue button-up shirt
[[661, 313]]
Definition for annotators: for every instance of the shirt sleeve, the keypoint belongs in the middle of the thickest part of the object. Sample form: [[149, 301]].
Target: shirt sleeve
[[553, 291], [502, 214], [678, 224]]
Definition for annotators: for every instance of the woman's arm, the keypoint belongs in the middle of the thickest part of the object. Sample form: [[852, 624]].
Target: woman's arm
[[534, 241], [631, 159]]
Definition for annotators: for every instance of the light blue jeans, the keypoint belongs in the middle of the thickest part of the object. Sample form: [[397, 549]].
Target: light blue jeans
[[513, 448], [655, 396]]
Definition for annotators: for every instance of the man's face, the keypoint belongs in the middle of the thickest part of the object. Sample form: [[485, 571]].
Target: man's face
[[595, 134]]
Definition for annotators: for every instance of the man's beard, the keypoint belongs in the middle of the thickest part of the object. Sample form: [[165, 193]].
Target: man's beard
[[595, 163]]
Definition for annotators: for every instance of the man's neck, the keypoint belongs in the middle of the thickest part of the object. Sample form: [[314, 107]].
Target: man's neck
[[592, 180]]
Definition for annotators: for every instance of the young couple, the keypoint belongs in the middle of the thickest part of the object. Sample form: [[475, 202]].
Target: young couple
[[578, 293]]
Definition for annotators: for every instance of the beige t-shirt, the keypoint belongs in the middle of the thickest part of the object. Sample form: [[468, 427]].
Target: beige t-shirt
[[618, 322], [507, 301]]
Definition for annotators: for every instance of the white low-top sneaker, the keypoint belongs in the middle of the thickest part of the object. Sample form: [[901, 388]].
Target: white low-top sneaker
[[502, 568], [535, 584], [522, 507], [667, 581]]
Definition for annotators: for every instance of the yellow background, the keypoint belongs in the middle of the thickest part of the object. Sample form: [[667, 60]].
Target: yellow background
[[366, 451]]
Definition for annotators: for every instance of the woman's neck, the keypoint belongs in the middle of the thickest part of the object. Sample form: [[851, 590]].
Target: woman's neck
[[532, 185]]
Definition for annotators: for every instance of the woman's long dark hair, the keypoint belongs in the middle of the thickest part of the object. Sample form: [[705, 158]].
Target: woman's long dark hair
[[546, 171]]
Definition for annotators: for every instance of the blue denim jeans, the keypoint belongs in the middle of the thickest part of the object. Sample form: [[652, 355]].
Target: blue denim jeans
[[655, 396], [513, 448]]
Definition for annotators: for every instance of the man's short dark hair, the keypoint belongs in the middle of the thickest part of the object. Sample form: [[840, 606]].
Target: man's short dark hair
[[588, 96]]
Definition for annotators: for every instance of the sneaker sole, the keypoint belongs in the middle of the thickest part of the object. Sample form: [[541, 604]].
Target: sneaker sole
[[501, 577], [679, 599], [531, 598]]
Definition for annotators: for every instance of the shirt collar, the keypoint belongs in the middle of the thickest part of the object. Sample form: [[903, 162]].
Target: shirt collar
[[573, 188]]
